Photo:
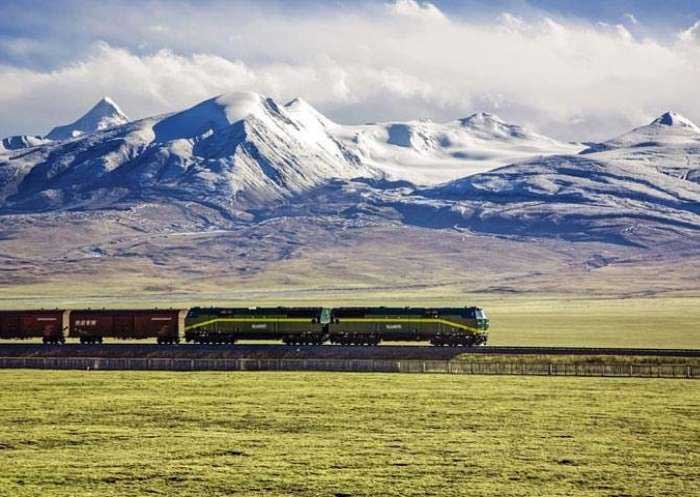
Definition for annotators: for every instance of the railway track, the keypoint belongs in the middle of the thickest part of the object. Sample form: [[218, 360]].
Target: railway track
[[241, 351]]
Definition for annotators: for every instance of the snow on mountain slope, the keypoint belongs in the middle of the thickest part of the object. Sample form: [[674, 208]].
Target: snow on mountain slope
[[670, 128], [669, 144], [104, 115], [250, 158], [640, 188], [568, 196], [230, 152], [241, 149], [429, 153], [20, 142]]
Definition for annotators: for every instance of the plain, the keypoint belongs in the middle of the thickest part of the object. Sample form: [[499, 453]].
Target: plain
[[317, 434]]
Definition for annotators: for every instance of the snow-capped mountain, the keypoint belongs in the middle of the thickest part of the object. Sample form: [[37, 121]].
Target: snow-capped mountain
[[424, 152], [575, 197], [228, 151], [104, 115], [240, 149], [670, 128], [240, 192], [669, 144], [250, 158]]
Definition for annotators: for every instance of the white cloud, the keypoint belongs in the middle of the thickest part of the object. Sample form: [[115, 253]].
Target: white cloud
[[573, 80], [617, 29], [423, 11], [690, 35]]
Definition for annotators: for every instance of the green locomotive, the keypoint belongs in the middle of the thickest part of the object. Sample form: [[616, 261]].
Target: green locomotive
[[465, 326]]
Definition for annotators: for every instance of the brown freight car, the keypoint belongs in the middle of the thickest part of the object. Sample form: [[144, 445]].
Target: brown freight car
[[92, 326], [32, 324]]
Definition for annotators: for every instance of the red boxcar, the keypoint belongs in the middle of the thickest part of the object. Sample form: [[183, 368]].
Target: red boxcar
[[32, 324], [92, 326]]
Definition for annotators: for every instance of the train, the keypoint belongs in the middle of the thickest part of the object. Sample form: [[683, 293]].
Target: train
[[357, 326]]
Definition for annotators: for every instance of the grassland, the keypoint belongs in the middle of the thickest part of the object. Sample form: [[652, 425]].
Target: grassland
[[315, 434], [663, 322]]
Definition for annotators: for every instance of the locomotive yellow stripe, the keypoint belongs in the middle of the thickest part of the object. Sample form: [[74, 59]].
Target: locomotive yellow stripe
[[248, 320], [410, 320]]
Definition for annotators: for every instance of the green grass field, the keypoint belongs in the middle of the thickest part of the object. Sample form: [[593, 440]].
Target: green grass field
[[317, 434], [661, 322]]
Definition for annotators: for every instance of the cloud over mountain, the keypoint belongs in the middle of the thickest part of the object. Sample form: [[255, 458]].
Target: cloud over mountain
[[356, 63]]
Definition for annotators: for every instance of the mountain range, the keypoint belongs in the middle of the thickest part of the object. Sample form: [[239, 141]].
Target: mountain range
[[243, 163]]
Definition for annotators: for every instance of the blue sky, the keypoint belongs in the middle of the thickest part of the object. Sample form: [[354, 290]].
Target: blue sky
[[652, 12], [572, 69]]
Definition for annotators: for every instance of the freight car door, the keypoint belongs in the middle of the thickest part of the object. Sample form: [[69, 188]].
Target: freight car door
[[46, 325], [124, 326], [31, 326], [9, 327]]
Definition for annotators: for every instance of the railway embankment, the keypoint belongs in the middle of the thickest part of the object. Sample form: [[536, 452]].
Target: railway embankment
[[636, 363]]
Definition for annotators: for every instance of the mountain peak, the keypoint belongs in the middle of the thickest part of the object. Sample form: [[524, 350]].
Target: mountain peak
[[490, 126], [675, 120], [241, 104], [213, 114], [481, 118], [670, 128], [305, 112], [103, 115], [106, 106]]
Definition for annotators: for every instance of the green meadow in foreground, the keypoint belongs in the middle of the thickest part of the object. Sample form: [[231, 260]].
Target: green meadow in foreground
[[322, 434]]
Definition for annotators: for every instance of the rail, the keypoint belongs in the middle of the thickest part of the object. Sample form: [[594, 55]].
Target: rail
[[425, 352]]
